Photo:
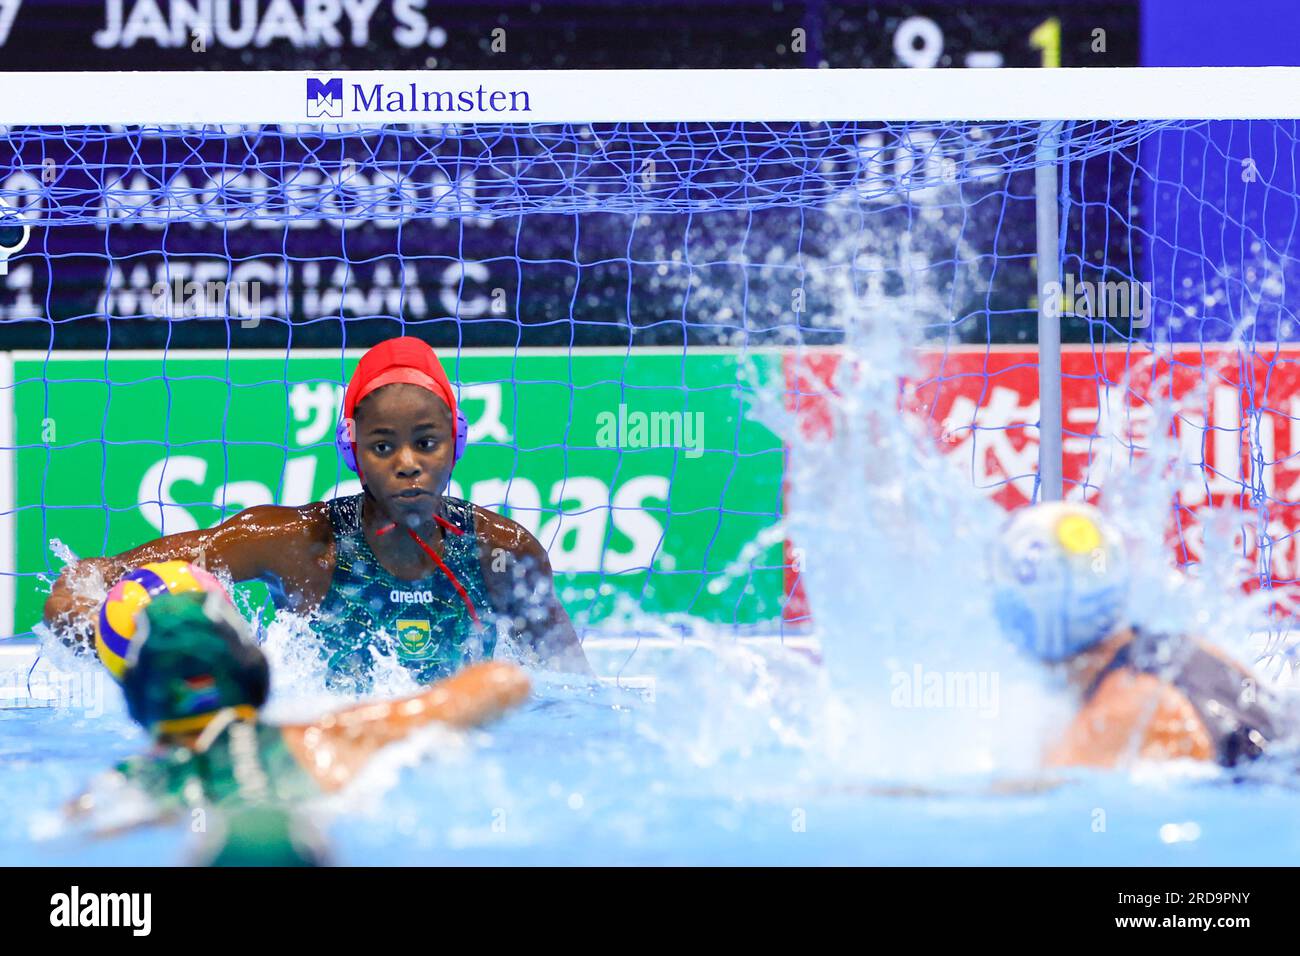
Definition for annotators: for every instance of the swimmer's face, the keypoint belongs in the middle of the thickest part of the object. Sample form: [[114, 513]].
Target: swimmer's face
[[406, 442]]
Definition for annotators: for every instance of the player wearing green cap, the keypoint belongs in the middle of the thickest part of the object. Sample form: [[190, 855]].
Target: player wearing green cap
[[196, 681]]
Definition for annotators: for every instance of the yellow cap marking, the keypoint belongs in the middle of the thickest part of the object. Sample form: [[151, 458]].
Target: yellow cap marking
[[1078, 534]]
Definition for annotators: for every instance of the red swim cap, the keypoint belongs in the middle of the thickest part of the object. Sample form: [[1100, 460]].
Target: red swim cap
[[405, 359]]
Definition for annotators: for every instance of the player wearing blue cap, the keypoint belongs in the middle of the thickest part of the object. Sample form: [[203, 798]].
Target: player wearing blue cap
[[1061, 583]]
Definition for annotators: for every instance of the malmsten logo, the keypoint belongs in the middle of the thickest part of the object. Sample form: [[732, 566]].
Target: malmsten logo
[[102, 909], [324, 97]]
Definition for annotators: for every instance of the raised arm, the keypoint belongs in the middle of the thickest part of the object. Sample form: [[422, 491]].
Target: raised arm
[[266, 542], [522, 587]]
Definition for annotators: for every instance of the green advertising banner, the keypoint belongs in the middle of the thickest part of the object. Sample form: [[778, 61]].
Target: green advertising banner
[[640, 472]]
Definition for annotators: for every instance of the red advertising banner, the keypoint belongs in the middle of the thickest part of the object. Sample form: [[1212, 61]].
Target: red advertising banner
[[1234, 414]]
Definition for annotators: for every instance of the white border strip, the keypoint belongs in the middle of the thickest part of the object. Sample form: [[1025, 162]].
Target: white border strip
[[591, 96]]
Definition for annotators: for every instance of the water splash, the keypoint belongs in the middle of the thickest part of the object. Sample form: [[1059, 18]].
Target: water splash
[[1140, 478]]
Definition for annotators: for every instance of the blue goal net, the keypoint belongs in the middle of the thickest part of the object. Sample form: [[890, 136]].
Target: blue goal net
[[181, 305]]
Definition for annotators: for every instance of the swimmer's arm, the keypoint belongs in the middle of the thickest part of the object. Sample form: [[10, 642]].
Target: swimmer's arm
[[540, 621], [80, 809], [115, 830], [80, 806], [105, 792], [336, 747], [1132, 716], [521, 584], [258, 543]]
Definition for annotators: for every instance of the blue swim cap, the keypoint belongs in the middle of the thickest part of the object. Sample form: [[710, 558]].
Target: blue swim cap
[[1060, 579]]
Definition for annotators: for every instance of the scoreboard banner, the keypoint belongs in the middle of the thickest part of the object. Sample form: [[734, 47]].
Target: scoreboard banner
[[343, 230], [251, 238], [562, 34]]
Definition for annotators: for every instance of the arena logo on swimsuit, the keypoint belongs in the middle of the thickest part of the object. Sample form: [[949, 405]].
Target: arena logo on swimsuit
[[409, 597]]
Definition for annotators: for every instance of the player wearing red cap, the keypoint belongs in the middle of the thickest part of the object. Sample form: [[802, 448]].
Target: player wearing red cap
[[400, 568]]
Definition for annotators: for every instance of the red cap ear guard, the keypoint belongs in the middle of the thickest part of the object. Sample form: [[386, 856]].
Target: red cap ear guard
[[405, 359]]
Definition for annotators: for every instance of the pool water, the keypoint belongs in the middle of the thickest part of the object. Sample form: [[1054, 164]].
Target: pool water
[[717, 755], [905, 731]]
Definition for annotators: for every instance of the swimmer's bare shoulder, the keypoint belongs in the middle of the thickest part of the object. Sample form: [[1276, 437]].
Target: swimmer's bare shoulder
[[521, 584], [497, 533], [291, 548], [1133, 716]]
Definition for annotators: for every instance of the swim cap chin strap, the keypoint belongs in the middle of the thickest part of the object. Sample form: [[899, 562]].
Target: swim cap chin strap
[[190, 725], [441, 565]]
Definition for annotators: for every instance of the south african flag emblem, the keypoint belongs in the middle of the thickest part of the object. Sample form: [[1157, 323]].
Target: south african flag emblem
[[197, 694], [414, 638]]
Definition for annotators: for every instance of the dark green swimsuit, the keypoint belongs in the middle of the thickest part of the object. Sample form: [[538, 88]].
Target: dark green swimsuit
[[425, 624], [247, 776], [246, 763]]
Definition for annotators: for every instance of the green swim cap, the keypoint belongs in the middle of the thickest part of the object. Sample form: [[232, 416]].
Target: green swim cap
[[192, 658]]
